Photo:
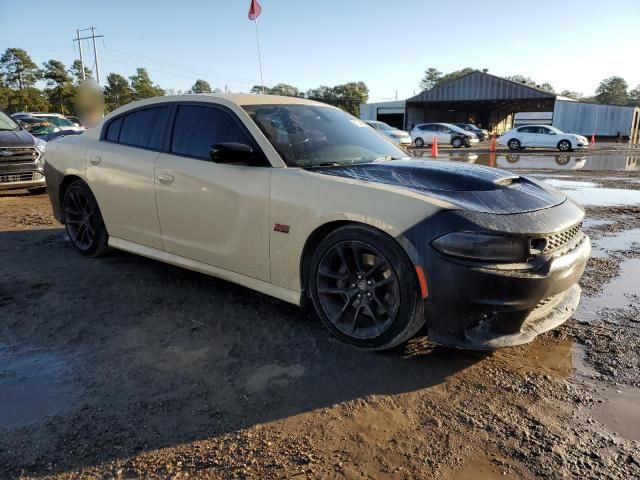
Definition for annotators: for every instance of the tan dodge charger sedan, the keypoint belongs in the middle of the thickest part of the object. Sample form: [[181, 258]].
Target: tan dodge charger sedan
[[302, 201]]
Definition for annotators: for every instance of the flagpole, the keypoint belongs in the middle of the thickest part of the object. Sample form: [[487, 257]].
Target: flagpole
[[259, 56]]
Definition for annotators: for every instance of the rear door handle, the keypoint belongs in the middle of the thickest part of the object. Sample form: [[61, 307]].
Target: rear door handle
[[95, 160], [165, 178]]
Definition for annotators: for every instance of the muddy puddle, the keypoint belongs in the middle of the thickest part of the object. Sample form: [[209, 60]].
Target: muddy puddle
[[617, 407], [620, 241], [571, 161], [620, 292], [34, 384], [589, 193]]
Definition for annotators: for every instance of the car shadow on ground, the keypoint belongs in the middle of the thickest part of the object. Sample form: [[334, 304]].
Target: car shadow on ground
[[147, 356]]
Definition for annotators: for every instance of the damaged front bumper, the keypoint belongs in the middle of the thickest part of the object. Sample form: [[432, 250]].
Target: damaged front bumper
[[486, 308]]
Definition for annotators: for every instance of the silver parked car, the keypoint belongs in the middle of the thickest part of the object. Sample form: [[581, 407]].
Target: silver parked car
[[398, 136]]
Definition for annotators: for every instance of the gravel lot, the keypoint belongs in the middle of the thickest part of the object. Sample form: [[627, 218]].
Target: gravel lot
[[123, 367]]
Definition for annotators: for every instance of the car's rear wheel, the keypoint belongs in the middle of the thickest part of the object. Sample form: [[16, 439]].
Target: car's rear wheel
[[37, 190], [456, 143], [419, 142], [564, 145], [365, 289], [513, 144], [83, 220]]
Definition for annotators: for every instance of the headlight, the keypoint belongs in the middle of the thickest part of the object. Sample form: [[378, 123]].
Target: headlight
[[482, 246], [40, 144]]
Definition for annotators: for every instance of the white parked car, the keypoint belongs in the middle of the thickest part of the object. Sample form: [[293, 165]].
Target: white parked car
[[447, 133], [542, 136], [398, 136], [55, 119]]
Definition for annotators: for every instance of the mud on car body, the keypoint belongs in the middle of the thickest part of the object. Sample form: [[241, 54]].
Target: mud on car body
[[304, 202]]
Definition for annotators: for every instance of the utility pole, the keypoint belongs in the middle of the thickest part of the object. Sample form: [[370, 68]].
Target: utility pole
[[95, 54], [93, 36], [80, 47]]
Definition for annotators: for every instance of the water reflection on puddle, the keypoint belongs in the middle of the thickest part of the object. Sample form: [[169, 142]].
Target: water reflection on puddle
[[565, 161]]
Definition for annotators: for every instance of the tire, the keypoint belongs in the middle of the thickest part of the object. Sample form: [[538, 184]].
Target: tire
[[456, 143], [564, 146], [364, 288], [83, 220], [419, 142], [514, 144], [37, 190]]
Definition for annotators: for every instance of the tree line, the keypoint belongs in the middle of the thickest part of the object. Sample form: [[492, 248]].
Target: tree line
[[19, 76], [613, 90]]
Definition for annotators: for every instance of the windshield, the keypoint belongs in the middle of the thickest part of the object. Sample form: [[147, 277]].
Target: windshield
[[6, 123], [311, 135], [57, 121]]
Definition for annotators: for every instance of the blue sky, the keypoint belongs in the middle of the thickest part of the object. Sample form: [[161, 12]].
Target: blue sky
[[387, 44]]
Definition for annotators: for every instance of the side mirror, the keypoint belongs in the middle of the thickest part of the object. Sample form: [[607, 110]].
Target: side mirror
[[233, 153]]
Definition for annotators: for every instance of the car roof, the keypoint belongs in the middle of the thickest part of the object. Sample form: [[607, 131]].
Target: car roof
[[43, 114]]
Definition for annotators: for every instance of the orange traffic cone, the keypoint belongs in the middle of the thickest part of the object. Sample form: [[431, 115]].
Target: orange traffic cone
[[593, 139], [434, 147], [492, 159], [492, 147]]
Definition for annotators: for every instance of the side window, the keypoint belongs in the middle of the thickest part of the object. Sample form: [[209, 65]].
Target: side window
[[145, 128], [528, 130], [198, 128], [113, 130], [544, 130]]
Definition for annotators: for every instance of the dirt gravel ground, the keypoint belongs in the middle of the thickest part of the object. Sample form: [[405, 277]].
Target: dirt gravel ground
[[123, 367]]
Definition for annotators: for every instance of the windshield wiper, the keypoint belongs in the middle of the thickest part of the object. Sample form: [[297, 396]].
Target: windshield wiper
[[325, 164], [8, 130], [386, 158]]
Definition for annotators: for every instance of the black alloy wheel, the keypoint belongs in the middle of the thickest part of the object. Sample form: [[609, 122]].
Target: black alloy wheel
[[564, 145], [83, 220], [364, 288], [419, 142], [514, 144]]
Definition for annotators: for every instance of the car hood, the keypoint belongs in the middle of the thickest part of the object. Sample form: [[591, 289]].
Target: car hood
[[18, 138], [472, 187]]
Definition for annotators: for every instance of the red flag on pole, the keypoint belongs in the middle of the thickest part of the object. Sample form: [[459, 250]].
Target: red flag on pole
[[254, 10]]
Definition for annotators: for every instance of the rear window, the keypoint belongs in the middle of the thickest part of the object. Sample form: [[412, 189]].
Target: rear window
[[143, 128], [113, 130]]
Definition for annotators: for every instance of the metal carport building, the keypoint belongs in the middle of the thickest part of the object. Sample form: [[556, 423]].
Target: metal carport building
[[480, 98]]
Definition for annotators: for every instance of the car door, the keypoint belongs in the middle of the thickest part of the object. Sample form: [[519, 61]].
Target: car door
[[444, 134], [120, 171], [547, 137], [526, 136], [214, 213]]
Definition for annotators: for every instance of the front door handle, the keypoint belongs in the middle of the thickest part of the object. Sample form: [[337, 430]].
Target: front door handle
[[95, 160], [165, 178]]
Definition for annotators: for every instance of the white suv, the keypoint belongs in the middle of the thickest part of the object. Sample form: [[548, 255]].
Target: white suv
[[542, 136], [447, 133]]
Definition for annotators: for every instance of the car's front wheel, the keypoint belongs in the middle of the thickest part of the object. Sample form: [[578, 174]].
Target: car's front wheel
[[456, 143], [564, 145], [419, 142], [514, 144], [364, 288], [83, 220]]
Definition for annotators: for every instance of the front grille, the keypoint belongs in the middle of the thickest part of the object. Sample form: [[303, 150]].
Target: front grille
[[19, 177], [556, 241], [18, 155]]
